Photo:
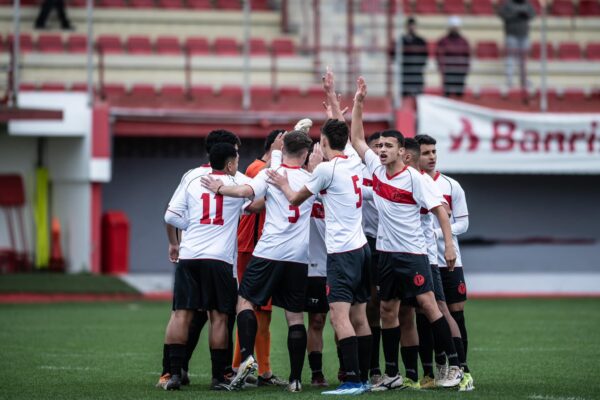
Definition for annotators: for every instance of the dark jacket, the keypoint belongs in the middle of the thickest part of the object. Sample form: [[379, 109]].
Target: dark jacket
[[516, 17], [414, 59], [453, 54]]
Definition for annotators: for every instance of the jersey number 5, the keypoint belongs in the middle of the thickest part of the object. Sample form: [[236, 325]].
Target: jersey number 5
[[357, 190], [293, 219], [218, 220]]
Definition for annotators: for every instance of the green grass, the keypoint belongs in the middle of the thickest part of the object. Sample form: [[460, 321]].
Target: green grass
[[518, 349], [44, 282]]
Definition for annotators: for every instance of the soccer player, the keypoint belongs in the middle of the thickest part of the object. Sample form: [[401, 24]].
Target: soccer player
[[200, 316], [453, 279], [204, 277], [400, 193], [278, 268], [249, 232], [338, 182]]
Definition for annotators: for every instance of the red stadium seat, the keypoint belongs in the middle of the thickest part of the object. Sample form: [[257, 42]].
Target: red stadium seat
[[592, 51], [562, 8], [226, 47], [262, 92], [53, 87], [110, 44], [569, 51], [517, 95], [201, 91], [79, 87], [143, 91], [200, 4], [589, 8], [490, 93], [172, 92], [536, 6], [573, 94], [138, 45], [536, 49], [25, 42], [231, 91], [290, 91], [453, 7], [433, 90], [77, 43], [27, 87], [197, 45], [141, 3], [260, 5], [50, 43], [315, 91], [431, 46], [168, 45], [426, 7], [482, 7], [229, 4], [114, 90], [113, 3], [487, 50], [170, 4], [258, 47], [283, 47]]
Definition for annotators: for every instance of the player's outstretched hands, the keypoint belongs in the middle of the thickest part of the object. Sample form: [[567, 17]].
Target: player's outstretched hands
[[328, 81], [329, 109], [316, 157], [450, 257], [361, 89], [277, 179], [278, 142], [212, 184]]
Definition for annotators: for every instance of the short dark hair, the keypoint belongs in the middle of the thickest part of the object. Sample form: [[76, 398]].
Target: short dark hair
[[295, 142], [412, 145], [271, 138], [395, 134], [411, 20], [220, 153], [425, 139], [336, 132], [374, 136], [221, 136]]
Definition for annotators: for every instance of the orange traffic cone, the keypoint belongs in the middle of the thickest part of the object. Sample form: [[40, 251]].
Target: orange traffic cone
[[57, 262]]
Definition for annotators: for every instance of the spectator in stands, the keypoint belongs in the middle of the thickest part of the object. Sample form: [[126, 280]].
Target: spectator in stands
[[453, 56], [414, 59], [46, 7], [516, 15]]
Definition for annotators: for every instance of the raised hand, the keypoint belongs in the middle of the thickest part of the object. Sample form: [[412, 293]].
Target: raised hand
[[329, 109], [361, 89], [211, 183], [278, 142], [328, 81], [316, 157]]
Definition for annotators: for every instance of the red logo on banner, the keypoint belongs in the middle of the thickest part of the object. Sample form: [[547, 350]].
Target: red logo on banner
[[462, 288], [466, 133], [419, 280]]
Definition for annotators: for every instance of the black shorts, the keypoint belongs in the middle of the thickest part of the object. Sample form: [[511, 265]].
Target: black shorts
[[283, 281], [204, 285], [403, 275], [349, 276], [316, 295], [374, 260], [454, 284], [438, 289]]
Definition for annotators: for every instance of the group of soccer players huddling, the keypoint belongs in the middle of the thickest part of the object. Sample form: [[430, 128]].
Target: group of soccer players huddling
[[363, 229]]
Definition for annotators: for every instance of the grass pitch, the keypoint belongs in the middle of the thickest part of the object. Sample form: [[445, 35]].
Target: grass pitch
[[518, 349]]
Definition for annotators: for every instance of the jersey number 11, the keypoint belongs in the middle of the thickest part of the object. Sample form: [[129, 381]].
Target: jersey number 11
[[218, 219]]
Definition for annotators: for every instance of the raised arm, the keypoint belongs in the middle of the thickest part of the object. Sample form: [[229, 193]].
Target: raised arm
[[332, 98], [357, 131], [282, 183], [218, 187], [449, 251]]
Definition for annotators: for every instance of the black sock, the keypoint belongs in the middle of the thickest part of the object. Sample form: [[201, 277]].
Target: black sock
[[218, 358], [177, 354], [410, 359], [198, 322], [442, 335], [340, 358], [375, 345], [425, 344], [247, 328], [229, 358], [297, 349], [391, 345], [349, 350], [459, 317], [165, 360], [315, 360], [460, 352], [365, 345]]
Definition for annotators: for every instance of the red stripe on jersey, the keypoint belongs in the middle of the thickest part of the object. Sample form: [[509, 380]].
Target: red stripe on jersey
[[367, 182], [449, 200], [214, 172], [437, 175], [340, 156], [396, 174], [205, 165], [391, 193], [424, 211], [289, 166]]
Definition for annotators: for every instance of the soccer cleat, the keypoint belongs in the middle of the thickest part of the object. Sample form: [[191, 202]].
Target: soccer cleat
[[250, 382], [174, 383], [303, 125], [410, 384], [294, 386], [163, 380], [247, 367], [219, 386], [388, 383], [272, 381], [466, 384], [376, 379], [348, 388], [185, 377], [427, 382], [319, 381], [341, 376], [441, 370], [453, 377]]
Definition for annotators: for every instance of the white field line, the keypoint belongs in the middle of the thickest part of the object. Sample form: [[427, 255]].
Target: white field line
[[62, 368], [547, 397]]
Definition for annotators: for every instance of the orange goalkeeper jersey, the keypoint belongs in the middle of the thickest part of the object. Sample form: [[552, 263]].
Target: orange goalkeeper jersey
[[251, 226]]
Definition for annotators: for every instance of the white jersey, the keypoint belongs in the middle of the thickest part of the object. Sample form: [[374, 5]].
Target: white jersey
[[286, 230], [209, 220], [339, 183], [455, 196], [370, 214], [399, 199], [427, 224], [317, 251]]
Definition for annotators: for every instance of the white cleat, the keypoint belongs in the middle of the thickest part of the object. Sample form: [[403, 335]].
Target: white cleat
[[441, 370], [294, 386], [247, 367], [388, 383], [453, 377], [303, 125]]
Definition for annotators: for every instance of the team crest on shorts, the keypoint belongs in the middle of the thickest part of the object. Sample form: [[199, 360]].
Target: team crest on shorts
[[419, 280], [462, 288]]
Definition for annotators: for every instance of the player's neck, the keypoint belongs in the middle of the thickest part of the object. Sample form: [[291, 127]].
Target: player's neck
[[336, 153], [395, 167], [292, 161]]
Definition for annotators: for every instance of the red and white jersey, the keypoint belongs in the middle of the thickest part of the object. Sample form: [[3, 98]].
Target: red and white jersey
[[427, 224], [317, 251], [286, 230], [209, 220], [370, 214], [455, 196], [339, 184], [399, 199]]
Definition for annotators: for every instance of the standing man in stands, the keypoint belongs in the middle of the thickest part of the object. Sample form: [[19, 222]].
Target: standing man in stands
[[454, 57], [414, 59]]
